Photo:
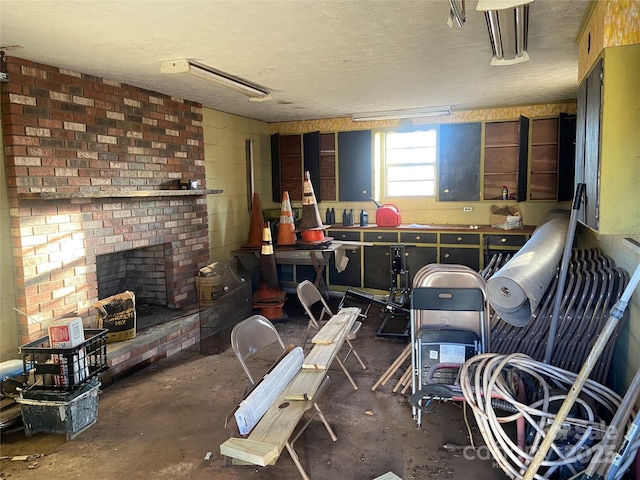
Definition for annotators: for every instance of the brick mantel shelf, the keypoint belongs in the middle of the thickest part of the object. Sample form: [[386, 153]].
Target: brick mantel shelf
[[116, 194]]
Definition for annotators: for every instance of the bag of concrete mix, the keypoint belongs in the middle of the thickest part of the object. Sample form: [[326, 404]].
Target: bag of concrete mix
[[118, 315]]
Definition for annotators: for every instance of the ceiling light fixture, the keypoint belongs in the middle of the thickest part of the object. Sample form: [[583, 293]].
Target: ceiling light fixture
[[216, 77], [508, 26], [399, 114]]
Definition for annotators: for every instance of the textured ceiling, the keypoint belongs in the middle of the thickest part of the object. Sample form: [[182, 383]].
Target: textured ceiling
[[320, 59]]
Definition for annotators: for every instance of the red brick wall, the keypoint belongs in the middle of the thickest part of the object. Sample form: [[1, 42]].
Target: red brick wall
[[72, 135]]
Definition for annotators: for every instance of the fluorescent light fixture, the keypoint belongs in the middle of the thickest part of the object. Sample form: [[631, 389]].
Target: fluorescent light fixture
[[508, 26], [399, 114], [216, 77]]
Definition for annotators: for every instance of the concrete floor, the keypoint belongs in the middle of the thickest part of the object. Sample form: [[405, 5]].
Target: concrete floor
[[161, 422]]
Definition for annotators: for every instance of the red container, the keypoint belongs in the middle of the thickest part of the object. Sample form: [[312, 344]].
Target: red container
[[388, 215]]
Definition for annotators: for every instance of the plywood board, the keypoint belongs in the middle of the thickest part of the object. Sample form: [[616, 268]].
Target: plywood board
[[255, 453], [321, 356], [305, 385]]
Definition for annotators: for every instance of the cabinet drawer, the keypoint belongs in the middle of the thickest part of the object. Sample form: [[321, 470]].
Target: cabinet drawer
[[418, 237], [505, 240], [387, 237], [460, 238], [346, 235]]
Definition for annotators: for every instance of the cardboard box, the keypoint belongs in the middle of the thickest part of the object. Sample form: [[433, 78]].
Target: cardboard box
[[507, 217], [66, 333], [118, 315]]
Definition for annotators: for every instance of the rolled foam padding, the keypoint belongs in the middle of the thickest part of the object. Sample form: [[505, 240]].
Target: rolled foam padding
[[252, 408], [516, 290]]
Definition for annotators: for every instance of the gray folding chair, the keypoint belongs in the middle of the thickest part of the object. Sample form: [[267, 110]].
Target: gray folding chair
[[256, 336], [311, 300]]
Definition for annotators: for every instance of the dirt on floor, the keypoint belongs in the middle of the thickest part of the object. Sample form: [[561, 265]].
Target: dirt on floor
[[168, 421]]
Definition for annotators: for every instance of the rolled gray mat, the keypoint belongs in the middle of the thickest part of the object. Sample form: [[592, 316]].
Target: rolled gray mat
[[516, 290]]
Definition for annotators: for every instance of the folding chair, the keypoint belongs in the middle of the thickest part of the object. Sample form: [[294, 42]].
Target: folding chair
[[309, 297], [449, 326], [256, 335]]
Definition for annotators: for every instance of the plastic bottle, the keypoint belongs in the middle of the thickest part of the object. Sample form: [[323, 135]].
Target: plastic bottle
[[364, 218], [333, 216], [345, 218], [351, 217], [328, 217]]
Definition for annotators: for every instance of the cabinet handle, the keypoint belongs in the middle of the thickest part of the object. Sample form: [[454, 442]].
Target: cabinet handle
[[344, 235], [364, 192], [418, 237], [459, 239], [406, 254], [446, 190], [387, 254], [503, 240], [446, 255], [379, 237]]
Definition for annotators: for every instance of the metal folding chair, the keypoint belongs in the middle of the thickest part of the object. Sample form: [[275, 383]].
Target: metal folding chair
[[309, 297], [254, 336], [449, 324]]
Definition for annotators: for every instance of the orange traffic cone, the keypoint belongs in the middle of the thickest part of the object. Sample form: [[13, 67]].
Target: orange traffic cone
[[269, 299], [311, 226], [255, 227], [286, 228], [311, 219]]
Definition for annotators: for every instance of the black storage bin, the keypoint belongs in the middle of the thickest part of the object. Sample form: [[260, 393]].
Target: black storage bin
[[63, 369]]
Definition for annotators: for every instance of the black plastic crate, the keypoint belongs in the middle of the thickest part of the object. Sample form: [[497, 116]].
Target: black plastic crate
[[64, 369]]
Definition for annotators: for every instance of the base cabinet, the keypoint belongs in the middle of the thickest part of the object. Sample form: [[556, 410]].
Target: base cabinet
[[350, 276], [370, 266]]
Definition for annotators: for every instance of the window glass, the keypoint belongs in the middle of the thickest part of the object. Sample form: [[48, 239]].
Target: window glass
[[410, 163]]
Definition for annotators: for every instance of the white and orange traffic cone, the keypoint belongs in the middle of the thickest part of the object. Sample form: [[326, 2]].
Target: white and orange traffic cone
[[286, 228], [311, 226], [269, 299]]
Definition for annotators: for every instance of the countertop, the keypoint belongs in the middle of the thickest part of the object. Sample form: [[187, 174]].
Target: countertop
[[437, 228]]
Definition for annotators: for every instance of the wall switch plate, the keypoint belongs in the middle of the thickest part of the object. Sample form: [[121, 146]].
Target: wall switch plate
[[467, 209]]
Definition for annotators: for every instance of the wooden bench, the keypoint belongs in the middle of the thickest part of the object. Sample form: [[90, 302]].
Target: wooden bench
[[276, 430]]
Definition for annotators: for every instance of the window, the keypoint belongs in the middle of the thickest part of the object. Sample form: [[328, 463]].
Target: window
[[410, 163]]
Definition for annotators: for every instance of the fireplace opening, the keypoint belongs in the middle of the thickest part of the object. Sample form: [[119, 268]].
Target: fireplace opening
[[143, 272]]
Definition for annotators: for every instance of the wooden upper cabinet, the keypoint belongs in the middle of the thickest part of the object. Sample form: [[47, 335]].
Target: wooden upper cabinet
[[552, 158], [328, 166], [544, 159], [459, 162], [355, 165], [506, 159], [286, 166]]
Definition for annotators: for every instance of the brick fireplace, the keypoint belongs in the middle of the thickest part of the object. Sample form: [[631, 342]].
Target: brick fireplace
[[94, 168]]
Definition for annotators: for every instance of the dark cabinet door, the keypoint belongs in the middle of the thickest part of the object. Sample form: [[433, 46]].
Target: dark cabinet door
[[459, 165], [592, 146], [350, 276], [377, 267], [276, 190], [566, 156], [311, 142], [587, 163], [355, 166], [523, 159], [462, 256], [417, 257]]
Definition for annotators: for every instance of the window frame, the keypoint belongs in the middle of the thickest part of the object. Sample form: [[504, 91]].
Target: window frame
[[381, 166]]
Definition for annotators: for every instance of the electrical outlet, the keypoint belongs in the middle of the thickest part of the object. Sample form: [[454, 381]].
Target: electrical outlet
[[467, 209]]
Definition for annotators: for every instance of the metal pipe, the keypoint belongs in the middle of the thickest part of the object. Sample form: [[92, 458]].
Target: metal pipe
[[566, 256]]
